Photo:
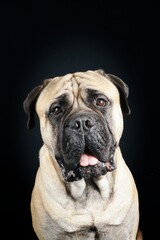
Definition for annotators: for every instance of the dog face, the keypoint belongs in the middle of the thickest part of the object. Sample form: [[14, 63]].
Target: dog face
[[81, 121]]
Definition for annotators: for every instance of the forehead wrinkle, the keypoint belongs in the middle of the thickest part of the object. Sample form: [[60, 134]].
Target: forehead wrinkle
[[75, 87], [76, 90], [58, 86], [105, 86]]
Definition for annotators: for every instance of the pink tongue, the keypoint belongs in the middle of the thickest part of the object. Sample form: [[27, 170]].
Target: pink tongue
[[87, 160]]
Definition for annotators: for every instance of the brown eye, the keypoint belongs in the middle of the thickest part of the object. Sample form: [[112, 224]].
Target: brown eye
[[101, 102], [56, 110]]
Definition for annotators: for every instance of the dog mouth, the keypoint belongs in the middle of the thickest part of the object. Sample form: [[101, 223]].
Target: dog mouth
[[89, 167], [89, 159]]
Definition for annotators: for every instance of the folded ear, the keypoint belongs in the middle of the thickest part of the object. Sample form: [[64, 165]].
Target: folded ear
[[29, 103], [123, 90]]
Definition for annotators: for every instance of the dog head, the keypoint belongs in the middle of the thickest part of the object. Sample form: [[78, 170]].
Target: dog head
[[81, 120]]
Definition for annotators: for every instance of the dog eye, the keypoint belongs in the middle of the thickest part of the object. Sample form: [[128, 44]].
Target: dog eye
[[56, 110], [101, 102]]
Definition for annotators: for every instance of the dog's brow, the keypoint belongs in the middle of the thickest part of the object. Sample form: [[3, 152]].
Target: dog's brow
[[91, 91], [61, 98]]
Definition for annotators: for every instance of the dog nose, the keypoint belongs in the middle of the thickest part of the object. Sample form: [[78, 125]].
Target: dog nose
[[83, 123]]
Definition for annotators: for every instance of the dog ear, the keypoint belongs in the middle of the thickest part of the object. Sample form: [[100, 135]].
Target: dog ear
[[29, 103], [123, 90]]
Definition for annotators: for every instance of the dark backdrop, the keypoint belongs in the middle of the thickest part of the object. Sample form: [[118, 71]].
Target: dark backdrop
[[42, 39]]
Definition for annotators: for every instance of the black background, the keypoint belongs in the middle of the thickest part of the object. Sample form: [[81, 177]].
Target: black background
[[42, 39]]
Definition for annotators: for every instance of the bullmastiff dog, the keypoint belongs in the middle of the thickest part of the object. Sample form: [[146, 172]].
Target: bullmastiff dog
[[83, 188]]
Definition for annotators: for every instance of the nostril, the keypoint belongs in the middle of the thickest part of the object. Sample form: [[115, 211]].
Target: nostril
[[77, 125], [88, 123]]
